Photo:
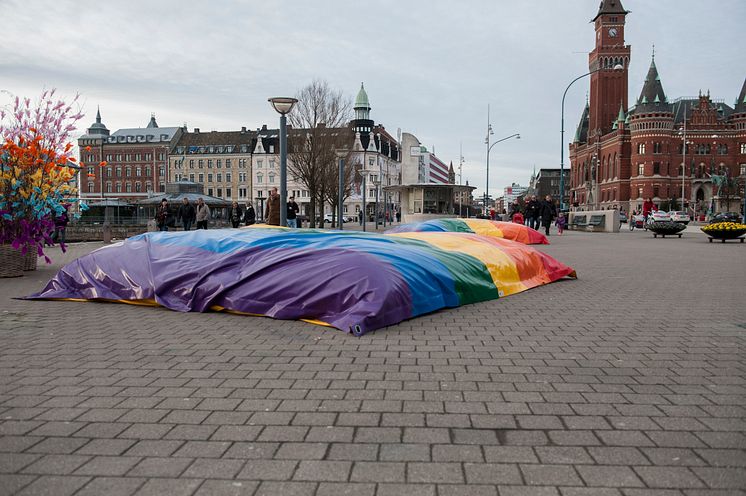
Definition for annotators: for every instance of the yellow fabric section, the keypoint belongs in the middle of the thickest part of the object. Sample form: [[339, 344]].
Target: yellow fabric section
[[484, 228], [501, 267]]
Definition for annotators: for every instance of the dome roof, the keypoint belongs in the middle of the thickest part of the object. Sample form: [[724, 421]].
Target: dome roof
[[361, 100]]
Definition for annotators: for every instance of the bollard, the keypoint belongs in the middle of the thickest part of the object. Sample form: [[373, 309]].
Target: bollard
[[107, 233]]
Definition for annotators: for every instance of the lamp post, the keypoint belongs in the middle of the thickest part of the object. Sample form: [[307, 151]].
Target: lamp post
[[617, 67], [489, 149], [283, 106], [377, 183]]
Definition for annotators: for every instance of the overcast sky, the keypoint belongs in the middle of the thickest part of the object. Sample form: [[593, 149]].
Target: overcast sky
[[429, 67]]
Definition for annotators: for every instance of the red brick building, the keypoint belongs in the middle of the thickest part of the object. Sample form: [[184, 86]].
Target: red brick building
[[136, 161], [622, 155]]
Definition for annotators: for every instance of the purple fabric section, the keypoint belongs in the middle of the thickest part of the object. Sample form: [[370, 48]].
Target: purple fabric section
[[343, 288]]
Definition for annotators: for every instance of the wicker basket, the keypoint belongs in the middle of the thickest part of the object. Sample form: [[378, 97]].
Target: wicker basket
[[29, 260], [11, 262]]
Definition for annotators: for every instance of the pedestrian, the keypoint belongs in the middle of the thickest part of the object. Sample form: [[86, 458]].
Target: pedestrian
[[531, 207], [293, 210], [647, 207], [60, 226], [560, 223], [202, 214], [272, 212], [186, 214], [235, 214], [548, 213], [398, 216], [250, 216], [517, 217], [163, 215]]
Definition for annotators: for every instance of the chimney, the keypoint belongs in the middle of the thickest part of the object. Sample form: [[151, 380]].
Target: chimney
[[243, 129], [196, 130], [264, 127]]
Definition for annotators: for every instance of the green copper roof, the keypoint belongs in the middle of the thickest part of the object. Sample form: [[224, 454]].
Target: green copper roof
[[621, 115], [361, 101]]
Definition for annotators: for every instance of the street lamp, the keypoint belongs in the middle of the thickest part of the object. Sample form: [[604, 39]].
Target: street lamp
[[617, 67], [283, 106], [489, 149]]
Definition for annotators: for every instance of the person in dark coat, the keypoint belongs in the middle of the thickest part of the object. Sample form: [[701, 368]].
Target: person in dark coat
[[60, 225], [250, 215], [533, 208], [548, 213], [272, 212], [186, 214], [163, 215], [235, 214]]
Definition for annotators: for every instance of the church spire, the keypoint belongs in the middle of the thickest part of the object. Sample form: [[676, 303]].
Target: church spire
[[652, 96], [581, 134], [610, 7], [741, 102]]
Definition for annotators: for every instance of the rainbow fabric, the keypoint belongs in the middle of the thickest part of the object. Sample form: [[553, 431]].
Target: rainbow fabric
[[492, 228], [354, 281]]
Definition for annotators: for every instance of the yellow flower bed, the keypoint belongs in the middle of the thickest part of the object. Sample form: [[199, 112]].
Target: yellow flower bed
[[724, 226]]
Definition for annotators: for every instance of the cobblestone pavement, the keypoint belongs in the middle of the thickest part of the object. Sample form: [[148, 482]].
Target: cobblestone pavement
[[628, 381]]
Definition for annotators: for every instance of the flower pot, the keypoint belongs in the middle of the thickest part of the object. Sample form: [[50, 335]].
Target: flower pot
[[11, 262], [29, 260]]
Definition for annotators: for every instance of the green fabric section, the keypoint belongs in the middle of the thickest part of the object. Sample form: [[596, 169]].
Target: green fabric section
[[472, 280], [455, 225]]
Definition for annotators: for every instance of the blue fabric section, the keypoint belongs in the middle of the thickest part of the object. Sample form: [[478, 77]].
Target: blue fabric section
[[430, 282]]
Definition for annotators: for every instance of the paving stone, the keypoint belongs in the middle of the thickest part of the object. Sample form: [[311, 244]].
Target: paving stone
[[404, 452], [435, 473], [554, 475], [46, 465], [406, 490], [317, 470], [363, 471], [668, 477], [268, 469], [227, 488], [211, 468], [111, 486], [160, 467], [56, 485], [353, 451], [172, 487], [345, 489], [609, 476], [286, 489], [492, 473]]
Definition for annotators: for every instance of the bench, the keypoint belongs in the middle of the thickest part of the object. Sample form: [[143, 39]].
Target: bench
[[596, 223], [578, 221]]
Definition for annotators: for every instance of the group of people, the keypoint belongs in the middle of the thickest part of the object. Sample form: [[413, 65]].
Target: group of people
[[272, 211], [198, 214], [537, 213]]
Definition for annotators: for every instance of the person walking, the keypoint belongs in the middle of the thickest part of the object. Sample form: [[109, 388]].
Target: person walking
[[548, 213], [272, 212], [560, 223], [60, 225], [292, 212], [202, 214], [250, 216], [186, 214], [162, 215], [235, 214]]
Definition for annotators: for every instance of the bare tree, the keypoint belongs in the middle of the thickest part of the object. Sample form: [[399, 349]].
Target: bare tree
[[331, 190], [319, 129]]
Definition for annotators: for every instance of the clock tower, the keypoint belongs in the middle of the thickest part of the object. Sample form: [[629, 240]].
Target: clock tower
[[608, 85]]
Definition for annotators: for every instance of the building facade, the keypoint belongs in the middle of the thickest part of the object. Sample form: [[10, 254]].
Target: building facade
[[547, 182], [219, 161], [622, 155], [134, 161]]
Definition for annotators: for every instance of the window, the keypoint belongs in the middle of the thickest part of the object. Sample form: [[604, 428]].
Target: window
[[271, 178], [128, 187], [191, 163], [90, 170], [162, 188], [641, 169], [220, 192], [656, 168], [138, 186], [210, 192], [641, 148], [119, 187], [259, 178], [108, 172], [200, 163], [161, 156], [657, 148], [219, 163], [209, 177], [201, 178], [743, 148], [743, 169], [228, 177], [119, 157], [108, 187], [138, 157], [138, 171], [242, 177], [147, 171], [271, 148], [209, 163], [162, 171], [191, 177], [90, 187], [227, 192], [128, 157], [211, 149], [219, 177], [128, 172], [108, 157], [272, 163], [259, 162], [723, 149], [639, 192], [227, 163], [242, 192], [119, 172]]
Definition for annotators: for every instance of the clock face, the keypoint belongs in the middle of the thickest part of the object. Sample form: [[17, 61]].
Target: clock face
[[612, 32]]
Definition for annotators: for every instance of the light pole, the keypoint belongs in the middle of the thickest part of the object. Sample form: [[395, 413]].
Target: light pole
[[489, 149], [283, 106], [617, 67]]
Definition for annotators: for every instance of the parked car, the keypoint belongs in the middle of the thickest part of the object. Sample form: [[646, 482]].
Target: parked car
[[660, 216], [726, 217], [328, 218], [679, 216]]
